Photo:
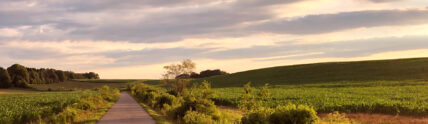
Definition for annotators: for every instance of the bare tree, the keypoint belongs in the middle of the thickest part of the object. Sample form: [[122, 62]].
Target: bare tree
[[174, 70]]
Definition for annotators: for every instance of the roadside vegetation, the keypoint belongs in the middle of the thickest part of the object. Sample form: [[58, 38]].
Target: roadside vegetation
[[56, 107]]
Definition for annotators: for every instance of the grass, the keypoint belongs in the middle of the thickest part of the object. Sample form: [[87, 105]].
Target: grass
[[74, 85], [157, 116], [385, 70], [389, 97]]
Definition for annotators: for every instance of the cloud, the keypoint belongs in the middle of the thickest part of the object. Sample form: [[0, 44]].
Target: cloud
[[325, 23], [339, 49], [385, 1]]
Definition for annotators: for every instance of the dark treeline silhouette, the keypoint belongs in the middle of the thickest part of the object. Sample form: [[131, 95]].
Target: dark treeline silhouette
[[202, 74], [20, 76]]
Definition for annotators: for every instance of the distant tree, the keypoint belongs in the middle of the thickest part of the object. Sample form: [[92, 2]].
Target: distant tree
[[19, 75], [34, 77], [185, 68], [5, 81], [183, 76], [52, 77], [194, 75], [174, 70], [61, 75], [209, 73], [91, 75]]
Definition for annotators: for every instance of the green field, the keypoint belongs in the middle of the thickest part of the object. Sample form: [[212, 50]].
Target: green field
[[379, 70], [382, 86], [389, 97], [24, 108], [56, 107]]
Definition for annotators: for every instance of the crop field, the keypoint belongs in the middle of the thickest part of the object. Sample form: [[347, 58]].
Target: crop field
[[23, 108], [388, 97], [56, 107]]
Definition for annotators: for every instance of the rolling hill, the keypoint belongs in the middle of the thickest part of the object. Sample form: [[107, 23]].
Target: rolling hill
[[356, 71]]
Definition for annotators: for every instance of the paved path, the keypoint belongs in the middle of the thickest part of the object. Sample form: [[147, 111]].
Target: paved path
[[126, 111]]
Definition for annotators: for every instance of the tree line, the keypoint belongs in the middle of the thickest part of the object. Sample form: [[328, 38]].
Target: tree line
[[20, 76]]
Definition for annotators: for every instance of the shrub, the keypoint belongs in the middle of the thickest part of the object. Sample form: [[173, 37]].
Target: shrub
[[5, 81], [165, 98], [109, 94], [19, 75], [337, 118], [194, 117], [259, 116], [292, 114], [198, 99]]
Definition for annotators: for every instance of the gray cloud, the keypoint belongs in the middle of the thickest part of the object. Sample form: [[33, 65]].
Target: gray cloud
[[316, 24], [77, 20]]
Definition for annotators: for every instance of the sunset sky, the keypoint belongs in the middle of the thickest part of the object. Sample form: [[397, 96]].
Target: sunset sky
[[135, 38]]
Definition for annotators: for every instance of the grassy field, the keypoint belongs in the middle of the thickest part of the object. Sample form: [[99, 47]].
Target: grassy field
[[389, 97], [384, 70], [383, 86], [77, 85]]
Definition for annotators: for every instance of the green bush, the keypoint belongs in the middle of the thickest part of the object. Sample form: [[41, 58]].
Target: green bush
[[5, 81], [258, 116], [194, 117], [109, 94], [165, 99], [198, 98], [292, 114]]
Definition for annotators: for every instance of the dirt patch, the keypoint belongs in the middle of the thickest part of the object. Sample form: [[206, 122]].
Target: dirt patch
[[384, 119]]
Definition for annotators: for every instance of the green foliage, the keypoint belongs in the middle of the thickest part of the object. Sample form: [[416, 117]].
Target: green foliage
[[264, 93], [61, 75], [5, 81], [19, 75], [109, 94], [198, 98], [292, 114], [248, 101], [258, 116], [194, 117]]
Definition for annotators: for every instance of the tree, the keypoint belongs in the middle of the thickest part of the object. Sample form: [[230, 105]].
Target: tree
[[19, 75], [5, 81], [186, 67], [174, 70], [52, 77], [34, 77], [61, 75]]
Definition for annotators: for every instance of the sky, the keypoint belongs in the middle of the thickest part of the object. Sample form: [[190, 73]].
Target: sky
[[134, 39]]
